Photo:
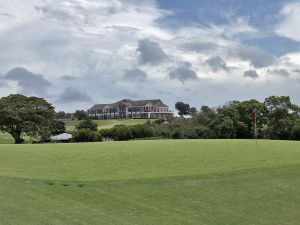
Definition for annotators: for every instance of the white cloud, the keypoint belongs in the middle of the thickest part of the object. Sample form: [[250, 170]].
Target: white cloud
[[289, 26], [97, 41]]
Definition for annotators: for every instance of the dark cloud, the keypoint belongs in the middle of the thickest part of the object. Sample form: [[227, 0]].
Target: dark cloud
[[216, 63], [135, 75], [73, 95], [198, 46], [151, 52], [280, 72], [183, 73], [257, 58], [297, 70], [29, 82], [251, 73], [68, 78], [6, 14]]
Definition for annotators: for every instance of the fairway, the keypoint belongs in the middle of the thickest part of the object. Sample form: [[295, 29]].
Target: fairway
[[166, 182]]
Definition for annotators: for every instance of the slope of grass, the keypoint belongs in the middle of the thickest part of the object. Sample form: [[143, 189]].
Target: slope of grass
[[151, 182], [103, 124]]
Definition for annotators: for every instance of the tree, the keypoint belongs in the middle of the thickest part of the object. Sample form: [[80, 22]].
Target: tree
[[21, 115], [226, 129], [88, 125], [60, 115], [85, 135], [280, 116], [80, 114], [183, 108], [58, 127], [193, 111]]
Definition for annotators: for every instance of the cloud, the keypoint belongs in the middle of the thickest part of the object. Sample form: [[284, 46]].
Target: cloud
[[135, 75], [297, 71], [30, 83], [198, 46], [290, 20], [279, 72], [3, 84], [106, 44], [257, 57], [183, 73], [251, 73], [151, 52], [216, 63], [68, 78], [73, 95]]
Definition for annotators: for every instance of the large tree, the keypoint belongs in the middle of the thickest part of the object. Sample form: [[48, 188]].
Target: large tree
[[80, 115], [21, 115], [183, 108], [282, 115]]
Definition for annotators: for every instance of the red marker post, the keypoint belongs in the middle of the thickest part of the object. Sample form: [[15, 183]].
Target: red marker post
[[254, 115]]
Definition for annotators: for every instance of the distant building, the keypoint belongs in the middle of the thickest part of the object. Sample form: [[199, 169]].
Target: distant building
[[127, 108]]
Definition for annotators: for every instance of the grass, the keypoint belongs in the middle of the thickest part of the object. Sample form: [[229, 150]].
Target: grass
[[165, 182], [103, 124]]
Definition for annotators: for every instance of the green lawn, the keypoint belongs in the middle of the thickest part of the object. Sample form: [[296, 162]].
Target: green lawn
[[168, 182], [103, 124]]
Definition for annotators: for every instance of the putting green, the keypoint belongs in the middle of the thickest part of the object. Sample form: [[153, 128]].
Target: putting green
[[151, 182]]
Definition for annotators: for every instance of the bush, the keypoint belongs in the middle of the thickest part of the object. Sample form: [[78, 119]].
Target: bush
[[178, 133], [206, 133], [142, 131], [296, 132], [122, 133], [163, 131], [87, 124], [107, 133], [85, 135]]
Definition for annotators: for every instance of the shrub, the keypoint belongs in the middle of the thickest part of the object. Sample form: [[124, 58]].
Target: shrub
[[85, 135], [205, 132], [87, 124], [122, 133], [142, 131], [178, 133], [296, 132]]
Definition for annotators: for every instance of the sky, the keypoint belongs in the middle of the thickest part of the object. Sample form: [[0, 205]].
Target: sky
[[76, 53]]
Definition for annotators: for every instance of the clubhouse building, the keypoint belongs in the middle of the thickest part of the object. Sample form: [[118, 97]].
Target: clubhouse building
[[128, 108]]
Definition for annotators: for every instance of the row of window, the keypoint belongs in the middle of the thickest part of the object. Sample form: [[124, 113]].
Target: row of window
[[130, 110]]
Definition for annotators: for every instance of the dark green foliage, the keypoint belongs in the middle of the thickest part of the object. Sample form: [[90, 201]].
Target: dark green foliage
[[277, 118], [122, 133], [226, 129], [87, 124], [242, 130], [142, 131], [296, 132], [183, 108], [85, 135], [58, 127], [80, 115], [21, 115], [281, 116], [205, 133]]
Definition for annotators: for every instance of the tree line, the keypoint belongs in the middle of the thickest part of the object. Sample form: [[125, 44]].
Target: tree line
[[277, 118]]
